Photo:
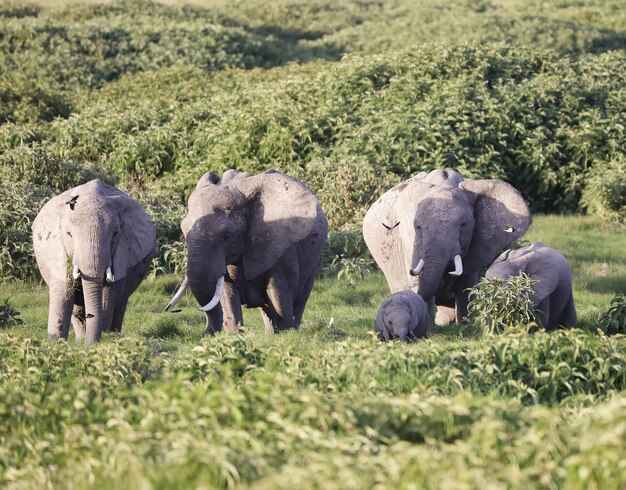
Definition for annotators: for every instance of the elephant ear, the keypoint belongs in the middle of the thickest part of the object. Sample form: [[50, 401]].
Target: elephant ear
[[380, 326], [541, 269], [282, 211], [47, 241], [501, 216], [137, 236], [411, 302]]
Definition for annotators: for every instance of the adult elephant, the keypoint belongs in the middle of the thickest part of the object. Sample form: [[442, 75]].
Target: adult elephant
[[93, 245], [252, 240], [435, 232]]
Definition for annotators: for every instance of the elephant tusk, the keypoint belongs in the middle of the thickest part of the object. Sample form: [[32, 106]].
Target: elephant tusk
[[76, 272], [110, 276], [179, 294], [418, 268], [219, 289], [458, 266]]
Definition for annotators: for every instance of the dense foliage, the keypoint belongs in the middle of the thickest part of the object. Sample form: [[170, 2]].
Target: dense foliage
[[117, 415], [157, 94], [497, 304], [613, 320]]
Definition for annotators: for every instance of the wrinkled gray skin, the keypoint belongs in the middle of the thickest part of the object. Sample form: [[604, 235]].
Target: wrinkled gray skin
[[403, 315], [552, 298], [434, 217], [91, 228], [264, 233]]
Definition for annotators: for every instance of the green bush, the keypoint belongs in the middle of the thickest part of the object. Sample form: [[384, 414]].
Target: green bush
[[346, 254], [605, 190], [613, 321], [9, 316], [498, 305], [546, 121]]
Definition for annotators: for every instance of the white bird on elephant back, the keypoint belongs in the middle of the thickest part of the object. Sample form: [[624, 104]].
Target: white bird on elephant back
[[93, 245], [252, 240], [435, 233]]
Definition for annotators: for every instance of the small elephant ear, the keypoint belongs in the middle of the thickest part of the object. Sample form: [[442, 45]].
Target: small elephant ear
[[379, 325], [282, 211], [541, 269], [137, 236], [501, 216]]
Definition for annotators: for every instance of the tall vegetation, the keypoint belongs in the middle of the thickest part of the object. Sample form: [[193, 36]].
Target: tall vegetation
[[152, 95]]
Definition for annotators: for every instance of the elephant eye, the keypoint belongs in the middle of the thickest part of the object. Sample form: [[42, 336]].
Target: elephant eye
[[227, 235]]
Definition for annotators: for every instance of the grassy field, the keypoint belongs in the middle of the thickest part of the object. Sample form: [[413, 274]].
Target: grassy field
[[350, 96], [331, 407]]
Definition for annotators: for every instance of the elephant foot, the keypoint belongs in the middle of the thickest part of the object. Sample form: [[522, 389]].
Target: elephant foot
[[53, 336]]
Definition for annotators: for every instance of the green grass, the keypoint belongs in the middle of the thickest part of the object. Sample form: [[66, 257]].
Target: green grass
[[321, 407]]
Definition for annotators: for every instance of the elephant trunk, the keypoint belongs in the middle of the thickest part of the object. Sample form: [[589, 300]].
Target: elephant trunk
[[205, 279], [433, 270], [94, 313]]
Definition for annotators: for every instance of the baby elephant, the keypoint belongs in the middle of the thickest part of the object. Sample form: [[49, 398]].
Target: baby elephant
[[403, 315], [552, 298]]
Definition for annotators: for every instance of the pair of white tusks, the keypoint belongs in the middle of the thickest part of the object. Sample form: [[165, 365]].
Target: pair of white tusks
[[458, 267], [110, 276], [219, 289]]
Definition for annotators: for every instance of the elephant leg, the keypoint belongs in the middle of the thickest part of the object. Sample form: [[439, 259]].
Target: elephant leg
[[231, 308], [214, 321], [124, 288], [461, 295], [568, 317], [79, 322], [120, 302], [78, 313], [108, 305], [266, 314], [60, 306], [280, 303], [300, 302], [543, 314]]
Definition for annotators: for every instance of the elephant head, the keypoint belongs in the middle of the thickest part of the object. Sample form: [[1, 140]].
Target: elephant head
[[93, 233], [243, 219], [404, 316], [436, 232]]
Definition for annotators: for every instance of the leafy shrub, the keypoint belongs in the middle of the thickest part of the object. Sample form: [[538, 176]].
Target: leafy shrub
[[546, 121], [605, 190], [498, 304], [346, 254], [613, 320], [9, 316], [346, 187]]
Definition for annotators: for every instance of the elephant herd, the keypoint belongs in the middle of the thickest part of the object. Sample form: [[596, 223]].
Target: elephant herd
[[256, 241]]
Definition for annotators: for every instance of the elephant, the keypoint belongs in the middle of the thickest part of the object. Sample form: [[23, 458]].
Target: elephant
[[435, 232], [403, 315], [93, 245], [552, 295], [252, 240]]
